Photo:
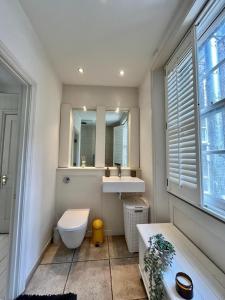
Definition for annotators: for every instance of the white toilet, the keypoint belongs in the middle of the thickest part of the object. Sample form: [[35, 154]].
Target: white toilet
[[72, 227]]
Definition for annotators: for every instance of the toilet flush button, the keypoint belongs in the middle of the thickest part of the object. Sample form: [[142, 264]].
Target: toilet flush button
[[66, 179]]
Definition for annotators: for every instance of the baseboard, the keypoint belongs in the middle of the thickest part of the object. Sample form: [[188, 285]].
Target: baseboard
[[38, 262]]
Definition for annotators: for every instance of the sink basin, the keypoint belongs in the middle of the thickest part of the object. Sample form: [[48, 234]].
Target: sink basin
[[124, 184]]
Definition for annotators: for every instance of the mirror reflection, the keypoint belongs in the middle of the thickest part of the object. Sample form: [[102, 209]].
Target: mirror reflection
[[116, 139], [83, 137]]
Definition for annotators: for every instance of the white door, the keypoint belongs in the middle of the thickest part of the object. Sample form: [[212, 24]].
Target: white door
[[8, 169]]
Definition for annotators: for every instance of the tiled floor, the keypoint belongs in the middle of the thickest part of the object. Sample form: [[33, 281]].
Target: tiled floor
[[109, 272]]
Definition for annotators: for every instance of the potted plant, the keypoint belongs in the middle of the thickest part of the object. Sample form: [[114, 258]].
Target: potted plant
[[157, 258]]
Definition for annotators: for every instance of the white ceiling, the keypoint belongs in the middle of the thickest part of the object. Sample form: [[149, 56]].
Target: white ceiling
[[102, 36]]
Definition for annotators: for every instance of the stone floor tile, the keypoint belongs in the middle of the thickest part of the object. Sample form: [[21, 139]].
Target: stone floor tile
[[118, 247], [49, 279], [90, 280], [57, 254], [126, 280], [88, 251]]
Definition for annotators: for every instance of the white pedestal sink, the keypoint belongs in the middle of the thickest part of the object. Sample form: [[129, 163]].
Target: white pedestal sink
[[124, 184]]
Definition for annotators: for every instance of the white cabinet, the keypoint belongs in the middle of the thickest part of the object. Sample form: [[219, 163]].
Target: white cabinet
[[208, 280]]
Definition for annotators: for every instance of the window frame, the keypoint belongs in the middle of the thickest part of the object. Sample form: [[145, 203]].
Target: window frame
[[217, 210]]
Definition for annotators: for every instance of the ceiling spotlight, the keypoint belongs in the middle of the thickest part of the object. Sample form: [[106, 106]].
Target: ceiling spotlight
[[81, 70], [117, 110], [84, 108], [121, 72]]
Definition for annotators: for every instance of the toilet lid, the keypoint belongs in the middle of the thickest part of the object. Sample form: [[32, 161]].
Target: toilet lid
[[73, 218]]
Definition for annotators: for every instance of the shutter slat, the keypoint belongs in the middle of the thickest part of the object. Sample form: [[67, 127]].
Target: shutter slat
[[185, 88], [186, 104], [188, 97], [174, 175], [184, 95], [189, 109], [189, 167], [188, 77], [188, 156], [186, 138], [188, 179], [188, 161], [187, 150]]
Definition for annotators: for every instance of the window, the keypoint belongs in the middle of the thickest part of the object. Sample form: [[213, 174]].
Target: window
[[211, 79], [196, 113]]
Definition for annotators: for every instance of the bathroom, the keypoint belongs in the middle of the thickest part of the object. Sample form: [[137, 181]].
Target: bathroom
[[114, 148]]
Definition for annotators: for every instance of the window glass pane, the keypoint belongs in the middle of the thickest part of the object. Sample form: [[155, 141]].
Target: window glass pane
[[116, 140], [83, 137], [213, 166], [211, 75], [211, 56], [213, 130]]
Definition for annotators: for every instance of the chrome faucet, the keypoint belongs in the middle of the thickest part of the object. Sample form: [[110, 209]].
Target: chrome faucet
[[119, 169]]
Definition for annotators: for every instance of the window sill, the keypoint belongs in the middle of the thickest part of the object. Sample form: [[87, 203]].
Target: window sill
[[218, 214]]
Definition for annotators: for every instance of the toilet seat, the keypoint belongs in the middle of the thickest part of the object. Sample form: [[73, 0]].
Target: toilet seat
[[73, 219]]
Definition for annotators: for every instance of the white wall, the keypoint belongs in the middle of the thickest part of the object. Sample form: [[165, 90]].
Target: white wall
[[18, 38], [146, 151], [93, 96], [206, 232], [152, 140], [161, 203]]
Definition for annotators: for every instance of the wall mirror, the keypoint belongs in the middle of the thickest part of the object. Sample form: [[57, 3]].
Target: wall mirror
[[116, 138], [83, 138]]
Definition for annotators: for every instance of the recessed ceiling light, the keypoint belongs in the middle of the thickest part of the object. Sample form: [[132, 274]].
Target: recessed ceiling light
[[84, 108], [117, 110], [121, 72], [81, 70]]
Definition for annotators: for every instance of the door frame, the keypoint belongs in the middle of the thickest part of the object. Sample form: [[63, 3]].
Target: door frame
[[17, 247]]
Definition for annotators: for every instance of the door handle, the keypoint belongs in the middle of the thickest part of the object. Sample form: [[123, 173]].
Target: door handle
[[4, 180]]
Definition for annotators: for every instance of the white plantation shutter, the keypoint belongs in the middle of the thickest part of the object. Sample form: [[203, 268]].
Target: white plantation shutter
[[172, 129], [182, 171], [186, 120]]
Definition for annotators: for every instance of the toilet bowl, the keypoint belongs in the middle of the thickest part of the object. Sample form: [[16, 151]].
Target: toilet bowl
[[72, 227]]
